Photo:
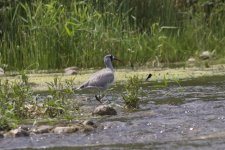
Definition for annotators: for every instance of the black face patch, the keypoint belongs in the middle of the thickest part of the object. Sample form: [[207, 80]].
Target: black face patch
[[111, 57]]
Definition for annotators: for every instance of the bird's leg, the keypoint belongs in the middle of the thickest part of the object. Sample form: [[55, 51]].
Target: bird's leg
[[98, 98]]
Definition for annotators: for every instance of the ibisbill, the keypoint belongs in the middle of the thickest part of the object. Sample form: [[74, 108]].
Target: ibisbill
[[102, 79]]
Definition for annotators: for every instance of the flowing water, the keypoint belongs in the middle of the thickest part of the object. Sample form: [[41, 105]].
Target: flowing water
[[190, 116]]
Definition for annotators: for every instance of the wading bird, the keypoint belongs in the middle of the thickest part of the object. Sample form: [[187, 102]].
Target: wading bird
[[102, 79]]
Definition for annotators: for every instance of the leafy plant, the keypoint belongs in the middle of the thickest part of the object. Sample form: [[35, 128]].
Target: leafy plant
[[133, 92], [58, 102], [7, 123], [15, 96], [17, 101]]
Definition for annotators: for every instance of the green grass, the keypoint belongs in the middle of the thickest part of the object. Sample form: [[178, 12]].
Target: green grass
[[133, 92], [55, 34]]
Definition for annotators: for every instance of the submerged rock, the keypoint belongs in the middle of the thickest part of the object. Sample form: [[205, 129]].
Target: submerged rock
[[17, 133], [104, 110]]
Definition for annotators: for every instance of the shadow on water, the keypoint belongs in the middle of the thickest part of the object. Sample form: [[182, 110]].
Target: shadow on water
[[168, 118]]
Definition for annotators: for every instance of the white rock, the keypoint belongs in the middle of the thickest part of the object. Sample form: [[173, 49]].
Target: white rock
[[206, 55]]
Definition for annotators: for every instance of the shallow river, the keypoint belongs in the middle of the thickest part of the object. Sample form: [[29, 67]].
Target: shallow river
[[190, 116]]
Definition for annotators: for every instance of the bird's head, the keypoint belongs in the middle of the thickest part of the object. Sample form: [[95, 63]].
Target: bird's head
[[110, 57]]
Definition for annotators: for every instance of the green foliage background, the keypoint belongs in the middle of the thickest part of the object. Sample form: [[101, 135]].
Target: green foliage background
[[52, 34]]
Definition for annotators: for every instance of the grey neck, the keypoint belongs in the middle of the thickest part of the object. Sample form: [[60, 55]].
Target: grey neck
[[108, 64]]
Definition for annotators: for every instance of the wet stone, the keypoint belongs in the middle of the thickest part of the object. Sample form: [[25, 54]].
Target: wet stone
[[17, 133], [104, 110], [42, 129], [69, 129]]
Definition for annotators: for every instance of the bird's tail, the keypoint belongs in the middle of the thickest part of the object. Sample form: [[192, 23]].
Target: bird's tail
[[80, 87], [77, 88]]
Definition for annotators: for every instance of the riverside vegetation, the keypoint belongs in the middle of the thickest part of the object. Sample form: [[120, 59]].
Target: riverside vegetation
[[19, 102], [133, 92], [55, 33]]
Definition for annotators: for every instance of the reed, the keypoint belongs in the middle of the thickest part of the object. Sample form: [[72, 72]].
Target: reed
[[55, 34]]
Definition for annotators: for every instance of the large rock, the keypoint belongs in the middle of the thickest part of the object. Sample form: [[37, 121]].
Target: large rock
[[104, 110], [19, 132]]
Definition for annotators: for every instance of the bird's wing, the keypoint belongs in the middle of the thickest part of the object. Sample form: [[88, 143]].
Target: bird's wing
[[100, 79]]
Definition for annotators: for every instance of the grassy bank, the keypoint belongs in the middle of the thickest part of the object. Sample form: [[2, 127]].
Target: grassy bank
[[55, 34]]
